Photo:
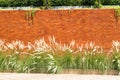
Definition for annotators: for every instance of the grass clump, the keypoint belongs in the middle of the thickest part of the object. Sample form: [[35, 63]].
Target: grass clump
[[54, 57]]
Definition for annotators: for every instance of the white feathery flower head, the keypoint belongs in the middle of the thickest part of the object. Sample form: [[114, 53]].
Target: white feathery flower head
[[80, 48], [92, 45], [116, 45], [10, 46], [72, 43]]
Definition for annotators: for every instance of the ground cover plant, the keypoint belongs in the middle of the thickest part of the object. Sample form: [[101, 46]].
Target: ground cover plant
[[55, 57]]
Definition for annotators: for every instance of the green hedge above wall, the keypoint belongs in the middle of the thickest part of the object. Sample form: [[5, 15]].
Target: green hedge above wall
[[12, 3]]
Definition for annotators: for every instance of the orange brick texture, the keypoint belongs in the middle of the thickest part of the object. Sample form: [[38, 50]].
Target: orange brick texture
[[96, 25]]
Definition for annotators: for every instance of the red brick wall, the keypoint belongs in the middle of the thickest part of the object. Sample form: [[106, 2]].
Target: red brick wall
[[98, 25]]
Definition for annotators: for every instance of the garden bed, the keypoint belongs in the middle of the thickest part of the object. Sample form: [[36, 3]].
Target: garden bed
[[57, 58]]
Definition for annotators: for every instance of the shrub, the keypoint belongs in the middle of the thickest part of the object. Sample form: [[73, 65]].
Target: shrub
[[38, 3], [97, 4]]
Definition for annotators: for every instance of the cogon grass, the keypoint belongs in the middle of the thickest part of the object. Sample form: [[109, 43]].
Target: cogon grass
[[55, 57]]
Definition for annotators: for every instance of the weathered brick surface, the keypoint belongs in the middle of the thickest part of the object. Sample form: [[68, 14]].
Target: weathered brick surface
[[97, 25]]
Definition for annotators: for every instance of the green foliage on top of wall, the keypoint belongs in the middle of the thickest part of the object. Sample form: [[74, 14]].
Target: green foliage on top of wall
[[97, 4], [66, 2], [15, 3], [117, 14]]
